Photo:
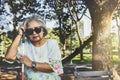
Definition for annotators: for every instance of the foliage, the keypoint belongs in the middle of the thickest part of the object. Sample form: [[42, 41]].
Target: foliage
[[51, 35], [19, 10], [47, 9], [114, 41], [66, 16], [5, 42]]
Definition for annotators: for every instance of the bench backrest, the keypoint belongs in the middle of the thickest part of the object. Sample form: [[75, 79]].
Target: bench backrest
[[93, 75]]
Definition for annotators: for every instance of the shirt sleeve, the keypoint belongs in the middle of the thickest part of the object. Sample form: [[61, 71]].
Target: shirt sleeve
[[55, 57]]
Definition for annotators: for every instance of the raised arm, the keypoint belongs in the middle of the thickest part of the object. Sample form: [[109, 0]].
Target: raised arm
[[12, 49]]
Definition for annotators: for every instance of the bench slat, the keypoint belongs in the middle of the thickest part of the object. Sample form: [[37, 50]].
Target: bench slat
[[93, 73], [95, 78]]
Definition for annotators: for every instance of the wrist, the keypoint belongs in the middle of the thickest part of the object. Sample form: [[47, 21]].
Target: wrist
[[19, 34], [33, 65]]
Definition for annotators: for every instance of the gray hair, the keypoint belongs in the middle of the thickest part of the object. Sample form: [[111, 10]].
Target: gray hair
[[39, 20]]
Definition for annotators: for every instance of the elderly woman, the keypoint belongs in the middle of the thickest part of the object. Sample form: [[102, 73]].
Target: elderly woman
[[41, 57]]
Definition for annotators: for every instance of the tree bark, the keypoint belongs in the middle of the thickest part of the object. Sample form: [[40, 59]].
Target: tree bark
[[79, 38], [101, 12]]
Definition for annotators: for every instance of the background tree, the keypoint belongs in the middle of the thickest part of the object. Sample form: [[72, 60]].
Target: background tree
[[77, 9], [21, 9], [26, 7], [116, 17], [67, 14], [69, 11], [64, 26], [101, 55]]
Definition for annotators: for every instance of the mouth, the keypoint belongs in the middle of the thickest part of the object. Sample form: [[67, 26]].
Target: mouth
[[35, 36]]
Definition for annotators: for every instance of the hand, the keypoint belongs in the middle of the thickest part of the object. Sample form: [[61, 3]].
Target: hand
[[25, 60], [21, 30]]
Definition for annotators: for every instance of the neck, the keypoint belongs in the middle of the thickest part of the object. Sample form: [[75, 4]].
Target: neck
[[39, 43]]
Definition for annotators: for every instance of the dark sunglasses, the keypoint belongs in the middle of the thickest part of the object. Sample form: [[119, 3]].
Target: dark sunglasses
[[30, 31]]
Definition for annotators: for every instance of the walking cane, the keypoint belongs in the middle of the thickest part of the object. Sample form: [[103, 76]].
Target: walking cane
[[23, 52]]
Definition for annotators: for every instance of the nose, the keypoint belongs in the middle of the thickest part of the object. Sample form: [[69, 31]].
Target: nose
[[34, 32]]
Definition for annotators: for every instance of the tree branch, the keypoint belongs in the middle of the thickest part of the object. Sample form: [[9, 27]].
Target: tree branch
[[78, 50]]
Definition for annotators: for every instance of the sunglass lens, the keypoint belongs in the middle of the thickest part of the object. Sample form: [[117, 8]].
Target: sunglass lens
[[37, 30], [29, 31]]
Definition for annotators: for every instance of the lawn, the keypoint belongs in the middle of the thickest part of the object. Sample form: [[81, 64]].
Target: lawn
[[88, 59]]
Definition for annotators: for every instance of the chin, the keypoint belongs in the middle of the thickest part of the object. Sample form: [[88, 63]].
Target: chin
[[36, 40]]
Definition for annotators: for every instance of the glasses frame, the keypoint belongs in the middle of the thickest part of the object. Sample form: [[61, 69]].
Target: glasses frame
[[37, 30]]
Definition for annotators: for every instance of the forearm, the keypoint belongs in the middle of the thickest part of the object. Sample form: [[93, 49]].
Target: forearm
[[43, 67], [12, 50], [39, 66]]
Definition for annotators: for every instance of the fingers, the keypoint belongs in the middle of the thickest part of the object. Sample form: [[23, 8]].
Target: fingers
[[25, 60], [22, 27], [21, 58], [21, 30]]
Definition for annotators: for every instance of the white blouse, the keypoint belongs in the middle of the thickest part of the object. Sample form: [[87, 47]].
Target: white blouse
[[49, 53]]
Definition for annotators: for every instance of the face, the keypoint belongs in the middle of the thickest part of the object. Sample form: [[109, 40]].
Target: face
[[34, 31]]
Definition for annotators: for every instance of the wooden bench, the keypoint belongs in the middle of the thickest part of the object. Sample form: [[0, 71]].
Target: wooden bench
[[93, 75], [7, 67]]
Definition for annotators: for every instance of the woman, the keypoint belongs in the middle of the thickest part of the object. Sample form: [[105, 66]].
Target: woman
[[41, 57]]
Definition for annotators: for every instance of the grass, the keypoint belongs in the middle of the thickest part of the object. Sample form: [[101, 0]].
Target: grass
[[116, 59], [88, 59]]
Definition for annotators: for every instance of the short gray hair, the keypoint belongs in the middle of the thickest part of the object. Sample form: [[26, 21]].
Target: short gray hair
[[39, 20]]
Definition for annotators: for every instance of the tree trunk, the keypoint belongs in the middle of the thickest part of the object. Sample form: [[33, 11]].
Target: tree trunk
[[102, 57], [75, 18], [81, 55], [80, 38], [78, 32], [101, 12], [64, 49]]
